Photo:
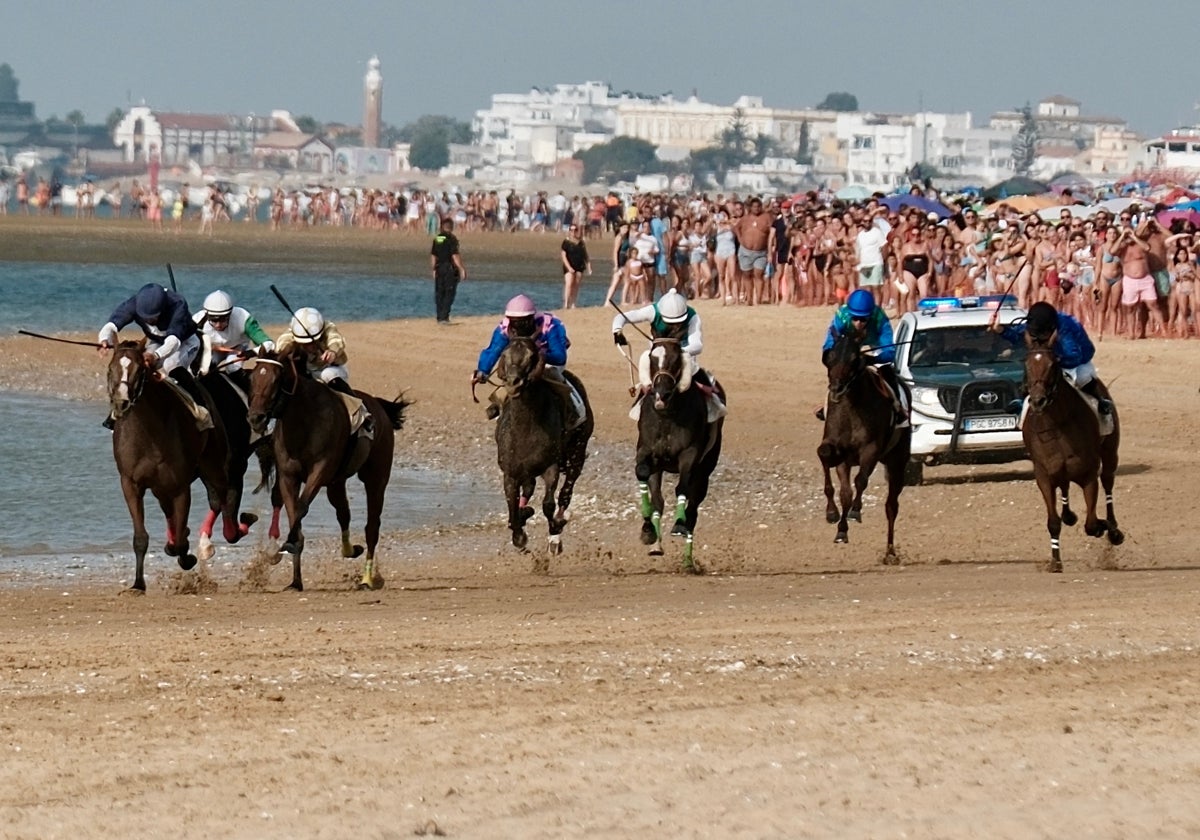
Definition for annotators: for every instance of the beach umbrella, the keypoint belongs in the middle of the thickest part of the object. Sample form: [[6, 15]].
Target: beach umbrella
[[1072, 181], [1054, 212], [1015, 186], [1027, 203], [1167, 216], [926, 205], [853, 192], [1194, 204], [1116, 205]]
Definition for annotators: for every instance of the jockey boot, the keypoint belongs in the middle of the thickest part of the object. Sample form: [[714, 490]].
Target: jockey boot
[[108, 422], [1103, 405], [495, 402], [820, 413], [492, 411], [340, 385], [183, 377]]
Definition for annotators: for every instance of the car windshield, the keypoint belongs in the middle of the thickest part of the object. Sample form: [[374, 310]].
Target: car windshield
[[965, 346]]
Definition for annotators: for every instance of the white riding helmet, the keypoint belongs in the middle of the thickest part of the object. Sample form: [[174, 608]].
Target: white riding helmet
[[218, 303], [672, 307], [307, 325]]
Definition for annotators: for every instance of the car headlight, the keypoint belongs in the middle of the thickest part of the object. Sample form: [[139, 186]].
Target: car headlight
[[926, 396]]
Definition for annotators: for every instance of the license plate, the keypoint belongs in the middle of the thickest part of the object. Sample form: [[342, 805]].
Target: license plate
[[989, 424]]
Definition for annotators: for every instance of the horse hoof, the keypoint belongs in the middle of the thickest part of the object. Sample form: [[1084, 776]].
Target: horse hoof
[[832, 516], [1116, 536], [856, 515], [519, 539], [205, 550], [289, 548], [1069, 518], [370, 584], [648, 536], [680, 529], [187, 562], [171, 550], [355, 551], [554, 544], [842, 537], [247, 519], [1054, 567], [526, 513], [656, 551], [296, 586], [890, 558]]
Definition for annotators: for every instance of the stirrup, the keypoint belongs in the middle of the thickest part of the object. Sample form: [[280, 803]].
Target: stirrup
[[108, 422], [492, 411], [1105, 407]]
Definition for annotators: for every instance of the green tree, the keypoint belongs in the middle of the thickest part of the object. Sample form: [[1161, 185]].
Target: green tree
[[76, 118], [803, 152], [618, 159], [308, 125], [839, 101], [8, 84], [764, 147], [1024, 145], [114, 118], [455, 131], [429, 149]]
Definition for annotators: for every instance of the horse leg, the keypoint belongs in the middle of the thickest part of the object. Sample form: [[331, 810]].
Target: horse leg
[[845, 499], [204, 549], [866, 466], [826, 453], [895, 477], [1053, 521], [687, 460], [296, 509], [570, 468], [1108, 470], [1092, 525], [516, 519], [375, 482], [336, 493], [650, 513], [1068, 516], [699, 491], [541, 565], [136, 503], [176, 509]]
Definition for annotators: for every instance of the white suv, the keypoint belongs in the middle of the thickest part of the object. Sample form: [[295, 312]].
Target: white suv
[[964, 378]]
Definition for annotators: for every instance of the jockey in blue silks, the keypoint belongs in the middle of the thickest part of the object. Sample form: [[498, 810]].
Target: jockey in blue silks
[[862, 318], [522, 320]]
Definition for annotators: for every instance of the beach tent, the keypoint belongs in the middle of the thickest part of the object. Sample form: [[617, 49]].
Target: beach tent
[[853, 192], [925, 205], [1015, 186]]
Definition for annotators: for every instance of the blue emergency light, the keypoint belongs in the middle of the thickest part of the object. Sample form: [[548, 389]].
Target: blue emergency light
[[951, 304]]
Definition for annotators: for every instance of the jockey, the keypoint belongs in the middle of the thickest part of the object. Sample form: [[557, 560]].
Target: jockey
[[862, 317], [671, 317], [522, 320], [229, 333], [171, 338], [323, 346], [1066, 336]]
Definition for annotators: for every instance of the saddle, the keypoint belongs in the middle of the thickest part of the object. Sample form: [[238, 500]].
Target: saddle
[[199, 413], [361, 422]]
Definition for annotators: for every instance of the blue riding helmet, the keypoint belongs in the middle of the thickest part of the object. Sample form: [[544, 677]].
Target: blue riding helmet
[[149, 301], [861, 303]]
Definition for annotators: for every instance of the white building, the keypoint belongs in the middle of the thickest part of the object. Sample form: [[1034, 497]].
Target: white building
[[1177, 149], [294, 150], [207, 139], [522, 126]]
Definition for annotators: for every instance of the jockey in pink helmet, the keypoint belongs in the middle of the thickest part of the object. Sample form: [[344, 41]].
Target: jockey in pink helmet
[[522, 320]]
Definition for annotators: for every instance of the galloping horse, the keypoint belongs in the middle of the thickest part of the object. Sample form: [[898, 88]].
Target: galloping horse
[[157, 447], [860, 430], [315, 448], [1062, 436], [674, 436], [232, 412], [532, 441]]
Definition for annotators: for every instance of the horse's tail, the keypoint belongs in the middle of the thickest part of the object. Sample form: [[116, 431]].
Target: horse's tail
[[264, 448], [395, 410]]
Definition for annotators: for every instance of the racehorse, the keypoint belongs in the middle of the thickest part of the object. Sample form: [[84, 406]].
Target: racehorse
[[860, 430], [233, 414], [314, 448], [532, 442], [157, 447], [674, 436], [1062, 437]]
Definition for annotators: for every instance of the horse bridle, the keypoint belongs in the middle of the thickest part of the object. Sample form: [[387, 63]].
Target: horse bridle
[[661, 372], [134, 396], [1050, 386], [281, 393]]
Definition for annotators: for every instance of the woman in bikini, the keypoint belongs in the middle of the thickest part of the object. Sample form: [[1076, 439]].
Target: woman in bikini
[[800, 259], [916, 266], [1110, 271], [1183, 288], [726, 257]]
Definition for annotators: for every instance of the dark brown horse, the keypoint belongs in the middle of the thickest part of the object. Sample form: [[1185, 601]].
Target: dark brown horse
[[1062, 437], [315, 448], [157, 447], [860, 431], [674, 436], [532, 442]]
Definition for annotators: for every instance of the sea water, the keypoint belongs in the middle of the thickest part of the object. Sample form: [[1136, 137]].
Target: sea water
[[61, 506]]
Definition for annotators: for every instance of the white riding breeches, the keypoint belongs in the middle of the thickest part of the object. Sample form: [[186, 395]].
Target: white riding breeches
[[1080, 376], [331, 372], [182, 356]]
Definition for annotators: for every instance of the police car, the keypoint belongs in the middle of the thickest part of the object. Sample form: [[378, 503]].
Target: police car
[[963, 379]]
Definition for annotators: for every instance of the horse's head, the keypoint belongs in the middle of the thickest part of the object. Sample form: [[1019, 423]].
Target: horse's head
[[666, 369], [520, 363], [1042, 371], [272, 379], [844, 362], [127, 376]]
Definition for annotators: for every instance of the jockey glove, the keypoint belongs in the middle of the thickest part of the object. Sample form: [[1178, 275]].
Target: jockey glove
[[620, 339]]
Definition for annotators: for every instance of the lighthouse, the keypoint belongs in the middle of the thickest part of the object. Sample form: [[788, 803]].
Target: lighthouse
[[372, 104]]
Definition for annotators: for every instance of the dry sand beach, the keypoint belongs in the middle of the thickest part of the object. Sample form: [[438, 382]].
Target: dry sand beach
[[798, 689]]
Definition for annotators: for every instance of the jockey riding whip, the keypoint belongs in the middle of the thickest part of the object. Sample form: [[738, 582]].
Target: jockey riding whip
[[171, 274], [627, 321], [291, 311], [63, 340]]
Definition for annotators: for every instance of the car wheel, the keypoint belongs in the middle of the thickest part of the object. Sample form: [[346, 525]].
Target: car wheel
[[914, 473]]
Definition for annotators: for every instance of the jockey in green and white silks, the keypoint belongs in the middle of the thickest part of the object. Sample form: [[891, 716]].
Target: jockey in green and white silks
[[229, 332]]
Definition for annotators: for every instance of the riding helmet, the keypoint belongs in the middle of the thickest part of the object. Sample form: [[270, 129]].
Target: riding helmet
[[672, 307], [218, 303], [149, 301], [520, 307], [861, 303], [307, 325], [1042, 320]]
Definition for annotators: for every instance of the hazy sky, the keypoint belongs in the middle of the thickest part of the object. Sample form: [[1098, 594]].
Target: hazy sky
[[309, 57]]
